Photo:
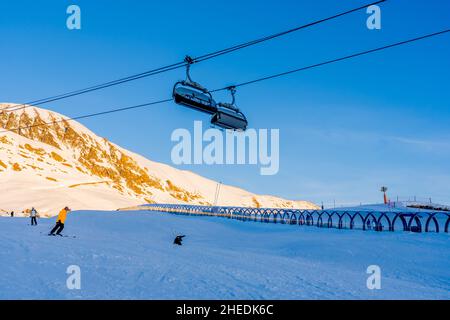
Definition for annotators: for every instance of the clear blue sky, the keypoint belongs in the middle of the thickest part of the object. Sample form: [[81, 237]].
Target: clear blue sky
[[346, 129]]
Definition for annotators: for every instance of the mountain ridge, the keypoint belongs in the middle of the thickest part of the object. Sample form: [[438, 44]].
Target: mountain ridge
[[52, 162]]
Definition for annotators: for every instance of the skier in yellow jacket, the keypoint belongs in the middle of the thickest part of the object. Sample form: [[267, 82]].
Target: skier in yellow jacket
[[60, 222]]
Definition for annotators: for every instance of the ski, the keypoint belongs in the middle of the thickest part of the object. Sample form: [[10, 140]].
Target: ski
[[66, 236], [59, 235]]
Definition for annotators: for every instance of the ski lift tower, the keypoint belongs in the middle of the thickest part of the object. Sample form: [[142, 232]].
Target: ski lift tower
[[216, 196], [384, 190]]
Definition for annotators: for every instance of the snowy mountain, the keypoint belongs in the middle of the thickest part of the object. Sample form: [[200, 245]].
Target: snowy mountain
[[64, 163]]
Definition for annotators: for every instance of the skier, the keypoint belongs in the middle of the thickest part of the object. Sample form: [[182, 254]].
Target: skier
[[12, 214], [33, 215], [178, 240], [60, 222]]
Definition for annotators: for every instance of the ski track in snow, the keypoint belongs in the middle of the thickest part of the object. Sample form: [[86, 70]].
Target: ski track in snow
[[130, 255]]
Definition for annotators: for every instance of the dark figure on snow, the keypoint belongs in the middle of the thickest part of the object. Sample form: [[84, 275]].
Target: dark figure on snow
[[12, 214], [33, 215], [60, 222], [178, 240]]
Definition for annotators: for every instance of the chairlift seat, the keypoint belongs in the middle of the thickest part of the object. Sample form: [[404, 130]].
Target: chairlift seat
[[194, 98], [229, 118]]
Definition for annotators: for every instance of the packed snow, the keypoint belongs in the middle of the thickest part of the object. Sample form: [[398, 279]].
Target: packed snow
[[130, 255]]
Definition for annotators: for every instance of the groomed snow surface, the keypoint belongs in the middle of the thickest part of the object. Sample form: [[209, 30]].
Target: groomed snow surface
[[130, 255]]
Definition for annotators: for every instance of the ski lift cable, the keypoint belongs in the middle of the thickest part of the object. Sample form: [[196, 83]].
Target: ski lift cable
[[182, 64], [242, 84], [332, 61], [87, 90], [90, 115], [280, 34]]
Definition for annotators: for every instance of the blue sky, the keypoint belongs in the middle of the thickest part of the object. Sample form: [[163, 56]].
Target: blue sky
[[345, 129]]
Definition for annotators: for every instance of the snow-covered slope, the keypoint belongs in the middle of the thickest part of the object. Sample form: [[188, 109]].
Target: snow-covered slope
[[64, 163], [131, 256]]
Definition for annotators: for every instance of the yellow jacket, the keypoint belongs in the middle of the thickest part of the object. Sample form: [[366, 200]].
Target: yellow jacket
[[62, 216]]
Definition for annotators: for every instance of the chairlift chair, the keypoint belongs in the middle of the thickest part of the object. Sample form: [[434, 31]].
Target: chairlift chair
[[192, 95], [228, 116]]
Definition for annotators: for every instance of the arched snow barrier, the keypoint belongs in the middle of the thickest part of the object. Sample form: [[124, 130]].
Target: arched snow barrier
[[355, 219], [400, 217], [301, 219], [432, 219], [415, 218], [309, 219], [341, 223], [380, 224], [293, 219], [370, 222]]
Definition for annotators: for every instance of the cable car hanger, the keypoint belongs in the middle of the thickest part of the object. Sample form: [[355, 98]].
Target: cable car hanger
[[228, 115], [232, 105], [189, 82]]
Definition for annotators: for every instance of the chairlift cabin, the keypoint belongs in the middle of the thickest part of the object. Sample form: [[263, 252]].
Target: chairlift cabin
[[228, 115], [192, 95], [229, 119]]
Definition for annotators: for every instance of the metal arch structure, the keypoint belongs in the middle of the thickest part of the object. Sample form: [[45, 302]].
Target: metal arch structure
[[447, 224], [341, 216], [309, 218], [418, 222], [402, 218], [334, 219], [384, 215], [433, 217], [301, 218], [374, 219], [286, 218], [293, 218], [416, 217], [320, 223], [363, 220]]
